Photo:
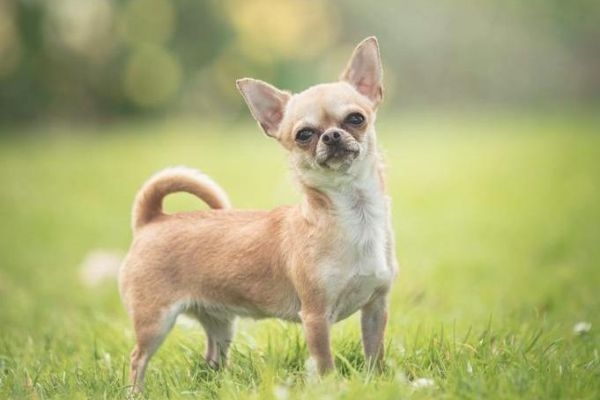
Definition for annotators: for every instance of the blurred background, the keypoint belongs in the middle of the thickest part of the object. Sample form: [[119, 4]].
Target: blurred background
[[101, 60], [490, 130]]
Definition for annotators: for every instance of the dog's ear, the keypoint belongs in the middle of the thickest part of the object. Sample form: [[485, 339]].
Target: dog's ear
[[364, 70], [266, 103]]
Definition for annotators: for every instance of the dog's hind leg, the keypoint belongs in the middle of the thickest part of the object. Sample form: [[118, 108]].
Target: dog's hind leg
[[219, 333], [150, 331]]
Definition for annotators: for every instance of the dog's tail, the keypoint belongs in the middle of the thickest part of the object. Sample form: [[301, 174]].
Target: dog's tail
[[148, 201]]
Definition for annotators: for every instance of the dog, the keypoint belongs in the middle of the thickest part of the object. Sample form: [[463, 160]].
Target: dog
[[316, 262]]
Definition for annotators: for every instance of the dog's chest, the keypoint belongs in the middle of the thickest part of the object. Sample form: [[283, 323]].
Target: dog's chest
[[357, 267], [348, 291]]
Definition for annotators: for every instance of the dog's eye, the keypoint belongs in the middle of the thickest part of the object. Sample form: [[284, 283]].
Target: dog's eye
[[355, 119], [304, 135]]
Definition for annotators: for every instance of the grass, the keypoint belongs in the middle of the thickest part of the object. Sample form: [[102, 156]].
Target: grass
[[497, 220]]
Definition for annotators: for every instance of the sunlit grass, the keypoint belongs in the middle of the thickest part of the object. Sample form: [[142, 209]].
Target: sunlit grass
[[497, 221]]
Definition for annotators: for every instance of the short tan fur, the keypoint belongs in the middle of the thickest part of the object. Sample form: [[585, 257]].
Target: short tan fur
[[315, 263]]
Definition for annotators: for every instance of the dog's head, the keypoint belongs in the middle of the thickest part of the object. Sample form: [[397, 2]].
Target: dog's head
[[328, 128]]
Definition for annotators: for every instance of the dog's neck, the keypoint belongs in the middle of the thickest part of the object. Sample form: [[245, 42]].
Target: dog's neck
[[356, 196], [356, 210]]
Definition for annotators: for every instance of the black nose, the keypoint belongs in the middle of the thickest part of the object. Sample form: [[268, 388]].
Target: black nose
[[331, 138]]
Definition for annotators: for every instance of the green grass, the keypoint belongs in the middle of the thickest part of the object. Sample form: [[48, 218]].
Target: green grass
[[497, 219]]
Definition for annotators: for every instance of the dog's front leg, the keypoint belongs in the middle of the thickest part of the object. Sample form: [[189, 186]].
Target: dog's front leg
[[316, 329], [373, 322]]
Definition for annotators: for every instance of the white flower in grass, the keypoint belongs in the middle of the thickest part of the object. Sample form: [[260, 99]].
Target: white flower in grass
[[581, 328], [422, 383], [281, 392]]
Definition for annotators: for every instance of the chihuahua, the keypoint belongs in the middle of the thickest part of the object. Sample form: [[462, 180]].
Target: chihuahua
[[316, 263]]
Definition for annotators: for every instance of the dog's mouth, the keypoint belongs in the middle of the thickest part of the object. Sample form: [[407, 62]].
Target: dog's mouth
[[338, 156], [342, 153]]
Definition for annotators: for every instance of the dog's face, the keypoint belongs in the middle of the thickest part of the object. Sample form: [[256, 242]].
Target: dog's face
[[328, 128]]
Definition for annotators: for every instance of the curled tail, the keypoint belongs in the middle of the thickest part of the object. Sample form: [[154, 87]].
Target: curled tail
[[148, 201]]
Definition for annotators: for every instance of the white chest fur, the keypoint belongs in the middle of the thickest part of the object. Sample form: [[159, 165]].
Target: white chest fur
[[358, 265]]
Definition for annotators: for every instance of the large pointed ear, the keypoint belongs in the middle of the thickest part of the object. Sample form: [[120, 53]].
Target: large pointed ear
[[266, 103], [364, 70]]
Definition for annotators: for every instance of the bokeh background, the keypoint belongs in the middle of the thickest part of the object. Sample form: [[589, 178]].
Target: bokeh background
[[490, 130], [99, 60]]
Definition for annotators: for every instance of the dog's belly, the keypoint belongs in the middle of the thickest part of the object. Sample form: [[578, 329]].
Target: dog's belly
[[288, 311]]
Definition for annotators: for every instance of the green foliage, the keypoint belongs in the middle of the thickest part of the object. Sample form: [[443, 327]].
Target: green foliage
[[497, 223], [99, 59]]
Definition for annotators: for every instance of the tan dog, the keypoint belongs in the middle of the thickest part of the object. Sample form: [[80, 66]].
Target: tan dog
[[316, 263]]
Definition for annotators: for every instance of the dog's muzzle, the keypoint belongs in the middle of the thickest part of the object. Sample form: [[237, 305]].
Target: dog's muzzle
[[337, 149]]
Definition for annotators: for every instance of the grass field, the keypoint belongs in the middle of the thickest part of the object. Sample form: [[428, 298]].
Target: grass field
[[497, 219]]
